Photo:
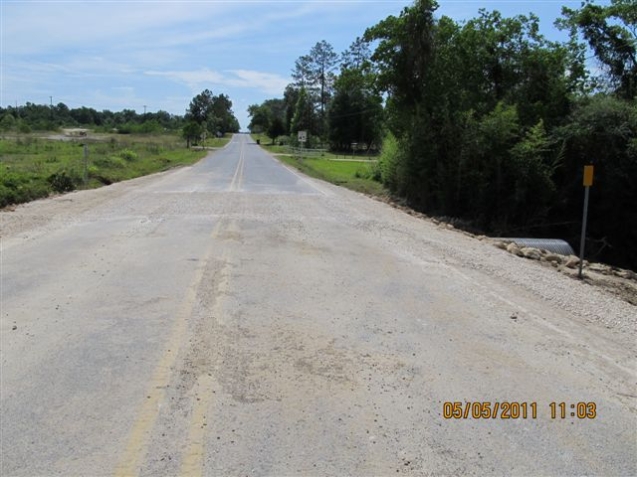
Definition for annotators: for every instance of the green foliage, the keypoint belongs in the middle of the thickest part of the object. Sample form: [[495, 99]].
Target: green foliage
[[23, 127], [389, 163], [304, 118], [260, 117], [353, 175], [610, 32], [276, 128], [34, 168], [486, 124], [110, 162], [127, 155], [268, 117], [314, 73], [7, 123], [63, 181], [355, 112], [42, 117], [602, 130], [192, 132], [468, 107], [213, 113], [18, 187]]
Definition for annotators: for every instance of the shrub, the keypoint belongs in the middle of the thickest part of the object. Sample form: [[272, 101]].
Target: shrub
[[63, 181], [110, 162], [16, 188], [127, 155]]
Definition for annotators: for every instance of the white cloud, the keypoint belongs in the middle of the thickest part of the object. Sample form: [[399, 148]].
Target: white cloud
[[50, 26], [269, 83]]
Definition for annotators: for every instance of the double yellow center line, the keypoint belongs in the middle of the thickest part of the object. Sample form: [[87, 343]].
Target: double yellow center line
[[137, 446], [237, 180]]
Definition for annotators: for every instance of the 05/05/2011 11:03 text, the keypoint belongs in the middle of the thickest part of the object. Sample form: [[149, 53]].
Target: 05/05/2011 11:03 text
[[516, 410]]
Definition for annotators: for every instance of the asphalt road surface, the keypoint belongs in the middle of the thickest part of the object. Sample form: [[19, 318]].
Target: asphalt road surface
[[237, 318]]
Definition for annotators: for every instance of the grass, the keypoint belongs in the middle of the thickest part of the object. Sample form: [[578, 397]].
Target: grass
[[356, 174], [33, 167], [353, 175]]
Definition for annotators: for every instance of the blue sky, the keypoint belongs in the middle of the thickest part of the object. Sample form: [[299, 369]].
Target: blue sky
[[126, 54]]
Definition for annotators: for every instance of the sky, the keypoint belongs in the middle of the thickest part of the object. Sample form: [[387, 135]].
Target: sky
[[157, 55]]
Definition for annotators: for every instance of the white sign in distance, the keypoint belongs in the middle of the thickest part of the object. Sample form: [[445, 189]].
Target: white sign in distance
[[302, 136]]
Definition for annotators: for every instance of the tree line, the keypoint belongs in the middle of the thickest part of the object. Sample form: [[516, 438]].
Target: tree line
[[206, 114], [41, 117], [486, 120]]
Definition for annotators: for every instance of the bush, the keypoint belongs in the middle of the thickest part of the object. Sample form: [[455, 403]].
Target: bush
[[127, 155], [16, 188], [110, 162], [386, 169], [93, 171], [63, 182]]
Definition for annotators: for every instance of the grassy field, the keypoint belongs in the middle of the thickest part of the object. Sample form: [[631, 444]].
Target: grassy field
[[348, 171], [33, 167]]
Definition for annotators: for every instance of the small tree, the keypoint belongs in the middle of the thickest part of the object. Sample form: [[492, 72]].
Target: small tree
[[191, 132], [303, 119], [276, 128], [7, 123]]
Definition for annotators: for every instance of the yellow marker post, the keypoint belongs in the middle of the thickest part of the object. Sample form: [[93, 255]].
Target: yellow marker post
[[588, 176], [588, 182]]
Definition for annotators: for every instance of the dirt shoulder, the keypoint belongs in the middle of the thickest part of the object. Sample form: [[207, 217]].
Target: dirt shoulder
[[618, 282]]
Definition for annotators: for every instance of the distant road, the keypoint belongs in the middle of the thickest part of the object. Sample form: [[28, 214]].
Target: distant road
[[238, 318]]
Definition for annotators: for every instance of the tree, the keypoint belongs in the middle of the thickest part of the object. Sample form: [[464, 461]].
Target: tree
[[355, 113], [601, 129], [224, 120], [303, 119], [7, 123], [259, 118], [303, 72], [404, 51], [290, 98], [192, 132], [324, 61], [404, 59], [315, 73], [611, 33], [200, 108], [357, 56], [269, 117], [276, 128], [277, 107], [213, 113]]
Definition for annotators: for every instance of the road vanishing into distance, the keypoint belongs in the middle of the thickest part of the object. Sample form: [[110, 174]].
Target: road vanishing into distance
[[235, 318]]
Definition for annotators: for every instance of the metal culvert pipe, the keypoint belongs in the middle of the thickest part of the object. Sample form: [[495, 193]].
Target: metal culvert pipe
[[558, 246]]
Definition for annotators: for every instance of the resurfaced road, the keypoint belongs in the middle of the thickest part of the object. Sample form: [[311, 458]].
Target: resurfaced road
[[236, 318]]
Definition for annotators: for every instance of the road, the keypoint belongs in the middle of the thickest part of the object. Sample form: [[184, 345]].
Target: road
[[237, 318]]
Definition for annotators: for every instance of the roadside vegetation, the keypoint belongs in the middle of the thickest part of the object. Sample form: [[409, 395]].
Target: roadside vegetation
[[354, 171], [32, 167], [42, 147], [484, 121]]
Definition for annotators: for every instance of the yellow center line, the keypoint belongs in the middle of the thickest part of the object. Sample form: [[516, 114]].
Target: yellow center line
[[238, 173], [136, 447], [193, 457]]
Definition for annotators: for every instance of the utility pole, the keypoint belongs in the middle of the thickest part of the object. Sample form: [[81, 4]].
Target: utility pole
[[51, 98], [144, 110]]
